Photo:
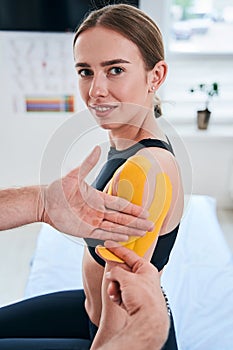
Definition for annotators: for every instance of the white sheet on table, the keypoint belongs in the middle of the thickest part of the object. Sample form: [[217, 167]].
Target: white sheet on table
[[56, 264], [198, 278]]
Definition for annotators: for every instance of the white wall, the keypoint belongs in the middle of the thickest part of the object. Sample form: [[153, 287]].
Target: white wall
[[205, 158], [24, 136], [211, 156]]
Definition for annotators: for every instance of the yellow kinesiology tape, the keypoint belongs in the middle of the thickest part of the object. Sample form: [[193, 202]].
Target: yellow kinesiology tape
[[131, 186]]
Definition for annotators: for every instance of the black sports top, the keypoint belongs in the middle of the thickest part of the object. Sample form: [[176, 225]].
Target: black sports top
[[115, 159]]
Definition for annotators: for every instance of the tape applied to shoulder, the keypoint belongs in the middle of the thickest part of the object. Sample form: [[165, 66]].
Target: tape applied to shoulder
[[132, 180]]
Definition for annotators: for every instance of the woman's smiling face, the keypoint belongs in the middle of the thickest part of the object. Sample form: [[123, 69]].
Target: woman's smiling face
[[111, 74]]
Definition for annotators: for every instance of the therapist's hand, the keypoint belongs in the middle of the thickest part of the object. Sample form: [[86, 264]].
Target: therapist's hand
[[135, 286], [73, 207]]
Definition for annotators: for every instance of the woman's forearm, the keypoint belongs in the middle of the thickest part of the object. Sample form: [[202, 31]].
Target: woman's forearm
[[20, 206]]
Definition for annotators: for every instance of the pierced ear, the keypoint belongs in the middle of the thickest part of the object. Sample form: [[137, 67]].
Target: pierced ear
[[158, 75]]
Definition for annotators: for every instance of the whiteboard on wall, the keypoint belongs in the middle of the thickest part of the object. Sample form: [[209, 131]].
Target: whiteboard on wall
[[39, 72]]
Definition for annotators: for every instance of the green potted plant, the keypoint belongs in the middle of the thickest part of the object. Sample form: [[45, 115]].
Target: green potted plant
[[209, 90]]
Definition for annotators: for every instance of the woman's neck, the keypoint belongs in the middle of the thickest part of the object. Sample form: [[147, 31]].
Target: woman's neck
[[127, 135]]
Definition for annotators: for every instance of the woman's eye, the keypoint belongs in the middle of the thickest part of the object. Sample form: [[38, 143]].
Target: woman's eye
[[84, 72], [116, 70]]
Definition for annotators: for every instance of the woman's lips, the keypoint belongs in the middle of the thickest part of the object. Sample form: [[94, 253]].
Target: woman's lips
[[102, 110]]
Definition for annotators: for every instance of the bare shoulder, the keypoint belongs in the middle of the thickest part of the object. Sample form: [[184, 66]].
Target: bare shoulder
[[163, 161], [136, 181]]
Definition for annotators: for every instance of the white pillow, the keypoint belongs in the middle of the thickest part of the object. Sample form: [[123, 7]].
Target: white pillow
[[56, 264]]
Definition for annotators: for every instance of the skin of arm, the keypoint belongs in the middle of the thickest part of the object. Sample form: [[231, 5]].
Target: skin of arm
[[135, 287], [19, 206], [72, 206]]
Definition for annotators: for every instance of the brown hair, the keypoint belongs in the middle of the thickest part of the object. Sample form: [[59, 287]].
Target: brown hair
[[133, 24]]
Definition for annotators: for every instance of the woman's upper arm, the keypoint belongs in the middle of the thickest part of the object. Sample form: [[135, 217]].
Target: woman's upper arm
[[143, 180]]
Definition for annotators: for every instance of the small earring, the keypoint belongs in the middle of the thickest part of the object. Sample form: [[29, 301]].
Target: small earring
[[153, 88]]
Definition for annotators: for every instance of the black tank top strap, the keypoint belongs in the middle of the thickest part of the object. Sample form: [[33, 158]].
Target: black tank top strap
[[157, 143]]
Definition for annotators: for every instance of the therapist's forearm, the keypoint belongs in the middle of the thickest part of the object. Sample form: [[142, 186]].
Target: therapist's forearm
[[20, 206], [142, 332]]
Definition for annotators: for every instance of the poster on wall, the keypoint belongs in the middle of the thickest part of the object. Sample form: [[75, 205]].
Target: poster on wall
[[40, 72]]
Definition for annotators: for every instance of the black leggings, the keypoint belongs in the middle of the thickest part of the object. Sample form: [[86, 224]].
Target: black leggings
[[56, 321], [53, 321]]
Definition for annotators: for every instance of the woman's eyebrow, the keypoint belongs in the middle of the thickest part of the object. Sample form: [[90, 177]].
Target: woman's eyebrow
[[82, 64], [112, 62], [104, 63]]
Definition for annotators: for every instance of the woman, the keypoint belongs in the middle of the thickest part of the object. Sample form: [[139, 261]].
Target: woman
[[119, 58]]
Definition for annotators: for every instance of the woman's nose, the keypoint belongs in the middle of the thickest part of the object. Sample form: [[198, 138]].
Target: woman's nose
[[98, 87]]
